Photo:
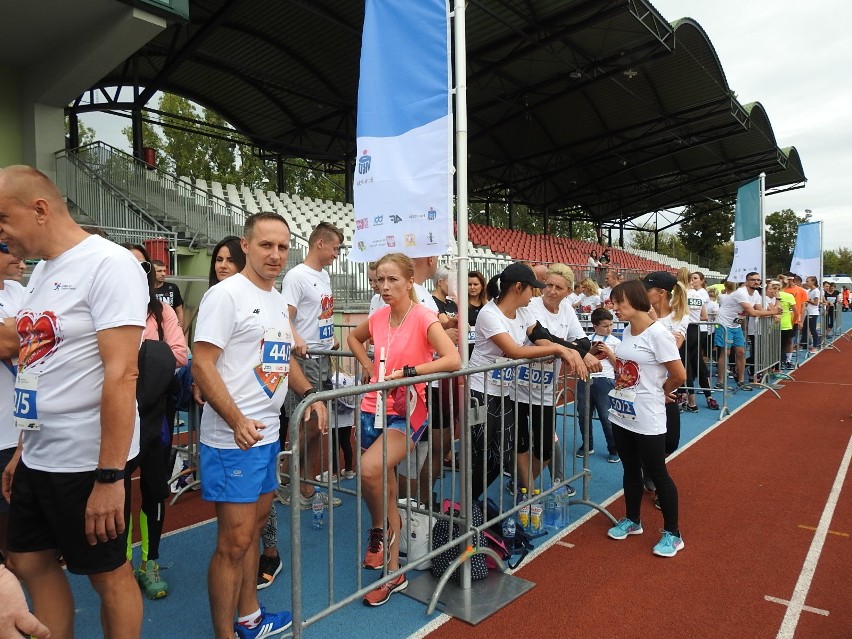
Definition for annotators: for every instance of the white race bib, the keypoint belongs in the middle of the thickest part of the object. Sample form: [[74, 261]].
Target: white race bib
[[622, 402], [25, 411], [275, 357]]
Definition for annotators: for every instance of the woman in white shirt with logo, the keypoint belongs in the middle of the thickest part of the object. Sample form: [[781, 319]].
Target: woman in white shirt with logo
[[504, 330], [647, 374]]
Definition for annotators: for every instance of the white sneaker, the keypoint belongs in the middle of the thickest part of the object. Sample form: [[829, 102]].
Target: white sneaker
[[323, 477]]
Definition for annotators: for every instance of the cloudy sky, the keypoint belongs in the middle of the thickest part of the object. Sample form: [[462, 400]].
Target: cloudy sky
[[792, 57]]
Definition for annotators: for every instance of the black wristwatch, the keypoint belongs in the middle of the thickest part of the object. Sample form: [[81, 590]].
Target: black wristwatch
[[309, 391], [409, 371], [108, 475]]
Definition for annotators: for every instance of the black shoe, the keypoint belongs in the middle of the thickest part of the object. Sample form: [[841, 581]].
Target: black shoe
[[657, 503], [267, 570], [690, 409], [581, 450], [649, 484], [569, 489]]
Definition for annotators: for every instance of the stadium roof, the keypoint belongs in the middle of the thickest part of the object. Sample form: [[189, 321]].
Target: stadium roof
[[597, 109]]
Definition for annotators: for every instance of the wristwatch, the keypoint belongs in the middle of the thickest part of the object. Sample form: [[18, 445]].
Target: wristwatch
[[108, 475]]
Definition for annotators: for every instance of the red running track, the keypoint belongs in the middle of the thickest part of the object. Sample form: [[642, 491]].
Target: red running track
[[752, 494]]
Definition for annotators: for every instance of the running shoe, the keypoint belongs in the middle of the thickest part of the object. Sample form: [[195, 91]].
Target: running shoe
[[569, 489], [381, 594], [348, 474], [581, 451], [148, 576], [812, 351], [690, 409], [744, 386], [323, 477], [267, 570], [669, 545], [305, 503], [271, 623], [374, 558], [613, 458], [657, 502], [712, 404], [623, 528]]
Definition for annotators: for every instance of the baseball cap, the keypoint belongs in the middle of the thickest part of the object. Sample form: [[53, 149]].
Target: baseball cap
[[660, 279], [522, 273]]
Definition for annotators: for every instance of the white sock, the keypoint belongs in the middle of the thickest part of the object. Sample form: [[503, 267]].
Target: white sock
[[250, 621]]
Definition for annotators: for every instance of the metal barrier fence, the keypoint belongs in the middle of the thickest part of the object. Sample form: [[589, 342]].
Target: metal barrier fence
[[488, 448]]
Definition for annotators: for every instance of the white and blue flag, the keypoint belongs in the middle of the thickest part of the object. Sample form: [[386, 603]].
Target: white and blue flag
[[806, 255], [748, 239], [403, 172]]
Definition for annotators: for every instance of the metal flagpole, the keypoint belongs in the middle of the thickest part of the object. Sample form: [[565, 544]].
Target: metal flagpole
[[763, 275]]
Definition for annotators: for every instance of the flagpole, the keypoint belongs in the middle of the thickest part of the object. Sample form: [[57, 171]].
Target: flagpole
[[763, 275]]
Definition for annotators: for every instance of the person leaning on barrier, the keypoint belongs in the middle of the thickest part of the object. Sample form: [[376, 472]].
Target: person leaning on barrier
[[813, 310], [405, 335], [788, 319], [793, 288], [537, 393], [647, 375], [243, 367], [698, 299], [506, 328]]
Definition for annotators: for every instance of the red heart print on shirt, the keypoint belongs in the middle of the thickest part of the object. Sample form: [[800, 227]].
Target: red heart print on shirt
[[40, 336]]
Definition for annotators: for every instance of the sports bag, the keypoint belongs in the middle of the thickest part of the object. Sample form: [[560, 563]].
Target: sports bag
[[441, 537], [414, 536]]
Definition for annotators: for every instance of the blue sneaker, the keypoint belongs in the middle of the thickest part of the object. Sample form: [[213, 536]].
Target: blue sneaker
[[271, 623], [613, 458], [623, 528], [669, 545]]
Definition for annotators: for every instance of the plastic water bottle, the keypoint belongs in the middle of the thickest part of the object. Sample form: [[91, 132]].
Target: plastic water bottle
[[524, 512], [317, 506], [536, 513], [551, 512], [509, 533], [562, 500]]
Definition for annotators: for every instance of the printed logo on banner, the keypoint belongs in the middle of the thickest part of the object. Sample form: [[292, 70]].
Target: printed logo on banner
[[391, 241], [362, 246], [378, 220], [431, 214], [362, 224], [430, 239], [364, 163], [410, 240], [396, 219]]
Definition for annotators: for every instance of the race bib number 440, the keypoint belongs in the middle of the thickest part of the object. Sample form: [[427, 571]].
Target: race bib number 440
[[275, 357]]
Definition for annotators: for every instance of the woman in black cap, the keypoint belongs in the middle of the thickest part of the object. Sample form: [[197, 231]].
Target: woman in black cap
[[506, 328]]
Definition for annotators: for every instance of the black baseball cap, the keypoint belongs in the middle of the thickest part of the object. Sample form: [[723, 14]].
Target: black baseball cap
[[660, 279], [522, 273]]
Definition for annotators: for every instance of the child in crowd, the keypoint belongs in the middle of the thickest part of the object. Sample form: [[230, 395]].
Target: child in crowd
[[600, 384]]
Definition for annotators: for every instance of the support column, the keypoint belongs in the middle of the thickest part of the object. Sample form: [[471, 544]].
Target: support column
[[279, 173], [73, 129], [136, 128], [349, 180]]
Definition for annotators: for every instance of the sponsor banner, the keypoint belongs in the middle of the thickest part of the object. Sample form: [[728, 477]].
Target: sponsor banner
[[748, 243], [806, 255]]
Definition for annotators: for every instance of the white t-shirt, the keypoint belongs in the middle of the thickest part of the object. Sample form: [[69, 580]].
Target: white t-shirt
[[675, 326], [697, 299], [252, 327], [637, 403], [425, 297], [607, 368], [712, 310], [730, 307], [572, 299], [309, 291], [813, 295], [536, 383], [489, 323], [605, 293], [375, 304], [588, 303], [11, 299], [755, 299], [93, 286]]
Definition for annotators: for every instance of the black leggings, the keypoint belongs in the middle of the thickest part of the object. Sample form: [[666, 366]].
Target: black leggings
[[491, 442], [542, 432], [341, 439], [695, 365], [648, 452]]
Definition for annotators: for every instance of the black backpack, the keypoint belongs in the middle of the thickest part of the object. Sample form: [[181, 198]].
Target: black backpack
[[441, 537]]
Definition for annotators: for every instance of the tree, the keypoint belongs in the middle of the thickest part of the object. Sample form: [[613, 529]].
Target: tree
[[839, 261], [782, 227], [707, 229], [85, 134]]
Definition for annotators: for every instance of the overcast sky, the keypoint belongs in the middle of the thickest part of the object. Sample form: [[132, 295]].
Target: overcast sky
[[791, 57]]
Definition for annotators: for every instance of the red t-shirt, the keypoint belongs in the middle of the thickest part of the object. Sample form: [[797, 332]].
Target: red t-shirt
[[407, 345]]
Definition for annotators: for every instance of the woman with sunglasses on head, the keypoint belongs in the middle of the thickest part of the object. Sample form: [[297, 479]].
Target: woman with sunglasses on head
[[406, 335], [156, 430], [506, 328], [648, 373]]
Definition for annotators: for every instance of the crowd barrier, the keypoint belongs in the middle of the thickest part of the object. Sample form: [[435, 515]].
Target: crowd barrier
[[471, 440]]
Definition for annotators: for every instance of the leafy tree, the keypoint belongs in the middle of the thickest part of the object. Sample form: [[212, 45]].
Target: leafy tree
[[781, 230], [85, 134], [706, 231], [839, 261]]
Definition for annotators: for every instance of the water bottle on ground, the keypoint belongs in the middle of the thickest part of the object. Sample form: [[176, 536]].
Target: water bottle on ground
[[562, 499], [536, 513], [551, 512], [509, 533], [524, 512], [318, 508]]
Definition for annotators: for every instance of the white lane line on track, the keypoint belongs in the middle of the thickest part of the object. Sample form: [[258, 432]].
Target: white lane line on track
[[565, 544], [800, 592], [784, 602]]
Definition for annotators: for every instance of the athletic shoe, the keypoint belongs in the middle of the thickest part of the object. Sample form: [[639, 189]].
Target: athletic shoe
[[613, 458], [787, 366], [569, 489], [375, 557], [623, 528], [744, 386], [812, 350], [669, 545], [581, 451], [348, 474], [657, 502], [323, 477], [381, 594], [282, 495], [649, 484], [712, 404], [267, 570], [271, 623], [305, 503], [721, 386], [148, 576], [690, 409]]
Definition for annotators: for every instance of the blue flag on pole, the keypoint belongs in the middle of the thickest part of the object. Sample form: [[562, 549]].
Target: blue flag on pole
[[806, 255], [748, 220], [403, 176]]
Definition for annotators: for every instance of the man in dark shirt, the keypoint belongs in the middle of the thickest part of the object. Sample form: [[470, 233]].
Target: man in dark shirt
[[167, 292]]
